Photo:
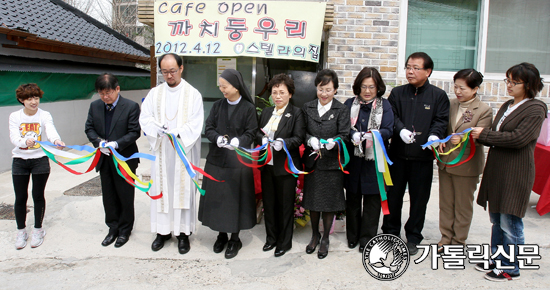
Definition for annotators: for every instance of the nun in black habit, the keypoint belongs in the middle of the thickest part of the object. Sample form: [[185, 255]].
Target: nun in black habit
[[230, 206]]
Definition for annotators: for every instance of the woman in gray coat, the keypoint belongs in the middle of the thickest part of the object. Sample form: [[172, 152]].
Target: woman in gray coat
[[510, 169], [328, 119]]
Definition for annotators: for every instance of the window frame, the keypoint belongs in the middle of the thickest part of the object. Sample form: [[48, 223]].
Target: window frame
[[481, 49]]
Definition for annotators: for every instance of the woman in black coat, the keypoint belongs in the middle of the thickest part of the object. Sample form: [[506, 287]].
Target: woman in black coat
[[284, 122], [230, 206], [368, 111], [328, 119]]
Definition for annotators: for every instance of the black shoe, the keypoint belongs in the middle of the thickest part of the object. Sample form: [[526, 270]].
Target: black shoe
[[183, 244], [109, 239], [481, 266], [500, 276], [220, 244], [310, 248], [158, 243], [323, 249], [361, 248], [352, 245], [121, 240], [280, 252], [268, 247], [413, 250], [233, 248]]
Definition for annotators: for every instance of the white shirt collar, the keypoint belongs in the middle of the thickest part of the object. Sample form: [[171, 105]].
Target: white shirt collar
[[235, 102], [323, 109]]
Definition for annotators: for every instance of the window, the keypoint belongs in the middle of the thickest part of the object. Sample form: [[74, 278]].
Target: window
[[488, 35]]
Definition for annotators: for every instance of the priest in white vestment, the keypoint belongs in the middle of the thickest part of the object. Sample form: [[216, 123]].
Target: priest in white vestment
[[173, 107]]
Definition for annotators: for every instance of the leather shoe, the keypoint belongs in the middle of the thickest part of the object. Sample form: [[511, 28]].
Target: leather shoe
[[121, 240], [220, 244], [233, 248], [352, 245], [413, 250], [268, 247], [183, 244], [323, 249], [158, 243], [310, 249], [109, 239], [280, 252], [361, 248]]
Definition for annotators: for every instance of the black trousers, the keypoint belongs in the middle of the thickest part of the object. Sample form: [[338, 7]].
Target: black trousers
[[418, 174], [278, 193], [118, 199], [362, 225]]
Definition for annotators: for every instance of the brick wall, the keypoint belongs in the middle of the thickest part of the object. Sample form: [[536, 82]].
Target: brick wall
[[366, 33]]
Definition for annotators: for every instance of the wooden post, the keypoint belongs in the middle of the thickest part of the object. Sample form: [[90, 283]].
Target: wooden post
[[153, 62]]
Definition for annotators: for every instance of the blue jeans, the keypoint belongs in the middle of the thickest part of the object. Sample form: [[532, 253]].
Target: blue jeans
[[507, 230]]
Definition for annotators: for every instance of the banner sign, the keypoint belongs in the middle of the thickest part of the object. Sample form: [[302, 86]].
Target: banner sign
[[270, 29]]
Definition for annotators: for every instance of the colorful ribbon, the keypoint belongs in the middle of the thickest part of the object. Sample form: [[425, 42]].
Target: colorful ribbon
[[383, 176], [341, 147], [191, 168], [120, 162], [456, 161]]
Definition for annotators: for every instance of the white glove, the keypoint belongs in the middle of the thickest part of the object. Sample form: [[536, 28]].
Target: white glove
[[367, 136], [113, 144], [222, 141], [105, 151], [278, 144], [234, 143], [356, 138], [314, 143], [407, 136], [161, 130], [330, 144], [433, 138], [264, 140]]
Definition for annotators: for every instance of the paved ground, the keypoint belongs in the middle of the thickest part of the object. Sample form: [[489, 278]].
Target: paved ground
[[72, 257]]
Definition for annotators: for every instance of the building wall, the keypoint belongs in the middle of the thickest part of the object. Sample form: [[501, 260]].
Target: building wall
[[69, 119], [366, 33]]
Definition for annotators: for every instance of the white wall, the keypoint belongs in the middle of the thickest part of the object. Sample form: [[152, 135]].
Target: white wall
[[69, 119]]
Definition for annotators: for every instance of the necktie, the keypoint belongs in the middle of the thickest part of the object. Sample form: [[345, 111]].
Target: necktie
[[109, 107]]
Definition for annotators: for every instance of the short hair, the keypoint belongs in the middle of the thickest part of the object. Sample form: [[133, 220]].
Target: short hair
[[369, 72], [106, 81], [472, 77], [529, 75], [179, 59], [326, 76], [428, 62], [281, 79], [27, 91]]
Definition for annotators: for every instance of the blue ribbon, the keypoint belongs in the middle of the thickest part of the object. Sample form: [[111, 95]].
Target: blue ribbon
[[90, 149], [378, 136], [429, 143], [181, 154]]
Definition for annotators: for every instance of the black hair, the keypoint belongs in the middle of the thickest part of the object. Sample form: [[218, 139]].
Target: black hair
[[326, 76], [428, 62], [472, 77], [281, 79], [178, 59], [369, 72], [106, 81], [529, 75]]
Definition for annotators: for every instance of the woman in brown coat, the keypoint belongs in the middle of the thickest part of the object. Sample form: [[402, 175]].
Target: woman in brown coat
[[510, 170], [457, 184]]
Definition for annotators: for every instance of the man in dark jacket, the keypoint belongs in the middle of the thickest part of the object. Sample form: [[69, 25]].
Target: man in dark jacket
[[113, 121], [421, 114]]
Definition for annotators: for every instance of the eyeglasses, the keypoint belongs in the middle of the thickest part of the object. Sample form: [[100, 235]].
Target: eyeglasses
[[279, 94], [327, 91], [370, 88], [413, 68], [165, 73], [105, 93], [509, 82]]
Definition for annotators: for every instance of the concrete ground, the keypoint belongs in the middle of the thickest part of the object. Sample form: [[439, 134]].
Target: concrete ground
[[73, 258]]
